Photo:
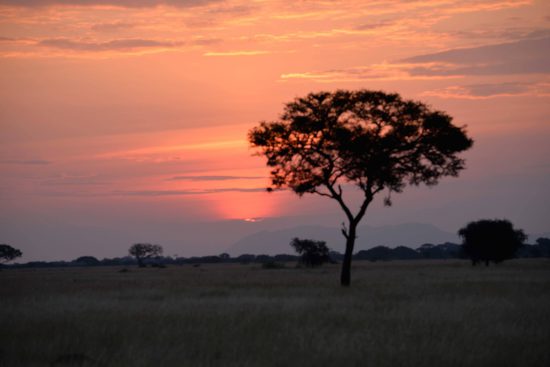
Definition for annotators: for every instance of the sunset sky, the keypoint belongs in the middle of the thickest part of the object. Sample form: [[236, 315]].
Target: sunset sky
[[126, 121]]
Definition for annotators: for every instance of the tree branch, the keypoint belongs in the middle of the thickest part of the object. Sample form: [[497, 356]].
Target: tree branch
[[338, 197], [345, 231], [322, 193], [362, 210]]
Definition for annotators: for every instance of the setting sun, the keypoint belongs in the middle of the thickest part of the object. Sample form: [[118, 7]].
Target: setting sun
[[247, 206]]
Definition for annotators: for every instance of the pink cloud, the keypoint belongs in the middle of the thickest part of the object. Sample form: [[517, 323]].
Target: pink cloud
[[495, 90], [117, 44], [117, 3]]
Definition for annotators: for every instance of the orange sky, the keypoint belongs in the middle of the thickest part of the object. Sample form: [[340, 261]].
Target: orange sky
[[111, 110]]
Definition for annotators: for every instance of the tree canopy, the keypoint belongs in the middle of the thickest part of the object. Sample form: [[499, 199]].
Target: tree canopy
[[491, 240], [8, 253], [312, 253], [144, 251], [371, 140]]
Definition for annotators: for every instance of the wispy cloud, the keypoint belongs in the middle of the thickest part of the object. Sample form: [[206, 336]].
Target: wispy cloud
[[522, 57], [143, 153], [113, 45], [529, 56], [487, 91], [31, 162], [116, 3], [112, 26], [65, 179], [185, 192], [374, 25], [237, 53], [384, 71], [457, 7], [86, 47], [213, 178], [226, 8], [513, 33]]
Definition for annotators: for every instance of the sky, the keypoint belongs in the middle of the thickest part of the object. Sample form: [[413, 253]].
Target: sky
[[126, 121]]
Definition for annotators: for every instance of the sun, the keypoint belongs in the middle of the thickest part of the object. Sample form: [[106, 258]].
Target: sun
[[253, 220], [250, 207]]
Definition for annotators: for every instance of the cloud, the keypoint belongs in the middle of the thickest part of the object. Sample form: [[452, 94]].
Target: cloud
[[31, 162], [528, 56], [112, 27], [374, 25], [511, 34], [522, 57], [238, 53], [205, 41], [155, 153], [185, 192], [213, 178], [384, 71], [232, 9], [113, 45], [486, 91], [117, 3], [76, 181]]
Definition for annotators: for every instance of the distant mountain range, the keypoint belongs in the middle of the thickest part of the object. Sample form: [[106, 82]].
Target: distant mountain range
[[271, 242]]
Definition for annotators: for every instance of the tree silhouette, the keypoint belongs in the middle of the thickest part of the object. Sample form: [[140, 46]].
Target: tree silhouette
[[8, 253], [144, 251], [491, 240], [312, 253], [370, 140]]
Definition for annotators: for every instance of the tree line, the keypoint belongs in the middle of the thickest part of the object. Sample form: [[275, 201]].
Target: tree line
[[321, 255]]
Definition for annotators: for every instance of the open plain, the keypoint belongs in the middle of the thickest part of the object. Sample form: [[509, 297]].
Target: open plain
[[408, 313]]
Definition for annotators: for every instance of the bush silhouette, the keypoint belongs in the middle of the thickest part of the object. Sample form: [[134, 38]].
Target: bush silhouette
[[491, 240], [313, 253]]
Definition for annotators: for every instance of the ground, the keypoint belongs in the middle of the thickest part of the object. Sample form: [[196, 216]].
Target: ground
[[409, 313]]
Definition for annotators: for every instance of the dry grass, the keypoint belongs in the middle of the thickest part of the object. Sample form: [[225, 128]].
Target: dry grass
[[395, 314]]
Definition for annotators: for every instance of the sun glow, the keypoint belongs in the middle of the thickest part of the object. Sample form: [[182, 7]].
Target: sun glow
[[248, 206], [253, 220]]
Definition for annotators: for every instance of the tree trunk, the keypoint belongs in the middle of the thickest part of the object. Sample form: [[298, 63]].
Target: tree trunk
[[345, 278]]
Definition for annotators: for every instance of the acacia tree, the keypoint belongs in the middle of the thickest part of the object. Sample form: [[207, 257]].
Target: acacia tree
[[312, 253], [371, 140], [144, 251], [8, 253], [491, 240]]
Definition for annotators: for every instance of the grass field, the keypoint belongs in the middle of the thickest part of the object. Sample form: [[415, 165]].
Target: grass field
[[412, 313]]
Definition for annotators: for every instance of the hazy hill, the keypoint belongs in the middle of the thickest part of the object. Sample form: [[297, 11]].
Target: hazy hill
[[273, 242]]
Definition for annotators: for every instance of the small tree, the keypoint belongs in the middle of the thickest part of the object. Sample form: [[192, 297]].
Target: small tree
[[8, 253], [369, 140], [313, 253], [144, 251], [491, 240]]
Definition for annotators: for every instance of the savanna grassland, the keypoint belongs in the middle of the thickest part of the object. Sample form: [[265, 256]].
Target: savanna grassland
[[414, 313]]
